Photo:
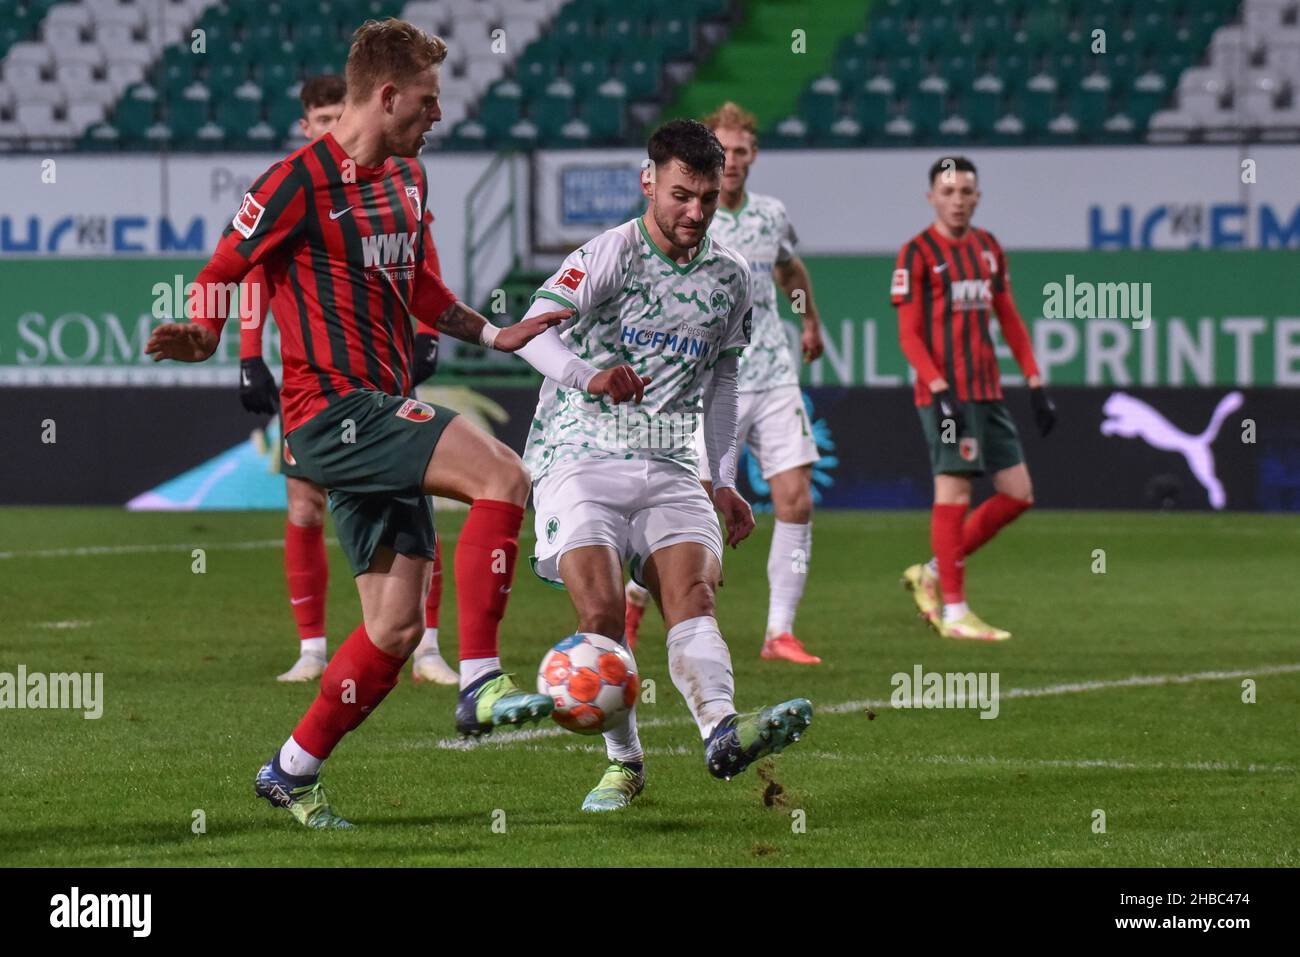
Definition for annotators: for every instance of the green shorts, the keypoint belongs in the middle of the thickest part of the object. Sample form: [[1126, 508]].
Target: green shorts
[[287, 469], [371, 450], [990, 442]]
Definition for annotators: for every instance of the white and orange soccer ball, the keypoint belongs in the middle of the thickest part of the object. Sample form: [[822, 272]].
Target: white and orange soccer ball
[[592, 680]]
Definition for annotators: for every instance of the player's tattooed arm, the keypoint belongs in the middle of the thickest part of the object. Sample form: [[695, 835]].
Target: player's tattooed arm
[[792, 276], [461, 322]]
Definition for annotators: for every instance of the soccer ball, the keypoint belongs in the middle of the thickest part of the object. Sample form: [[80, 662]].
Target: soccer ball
[[592, 680]]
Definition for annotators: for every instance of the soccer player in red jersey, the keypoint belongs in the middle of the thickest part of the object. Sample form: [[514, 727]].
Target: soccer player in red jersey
[[947, 281], [338, 227], [305, 562]]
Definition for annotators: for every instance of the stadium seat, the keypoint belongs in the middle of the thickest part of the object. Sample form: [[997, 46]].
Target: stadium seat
[[605, 112]]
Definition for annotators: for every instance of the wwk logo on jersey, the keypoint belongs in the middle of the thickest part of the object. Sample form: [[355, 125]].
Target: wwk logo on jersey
[[570, 279], [389, 249], [416, 411], [972, 293], [249, 215]]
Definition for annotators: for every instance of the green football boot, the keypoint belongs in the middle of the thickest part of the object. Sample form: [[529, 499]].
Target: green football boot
[[305, 801], [616, 789], [742, 739], [495, 701]]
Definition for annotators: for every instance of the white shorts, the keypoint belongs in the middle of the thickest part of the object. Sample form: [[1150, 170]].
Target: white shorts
[[635, 506], [775, 426]]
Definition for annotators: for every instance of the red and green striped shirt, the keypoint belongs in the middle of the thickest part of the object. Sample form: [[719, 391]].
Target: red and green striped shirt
[[346, 260], [945, 290]]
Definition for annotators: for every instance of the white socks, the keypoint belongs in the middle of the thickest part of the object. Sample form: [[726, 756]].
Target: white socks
[[787, 571], [700, 665], [622, 743], [428, 644], [294, 760], [471, 669], [312, 646], [954, 611]]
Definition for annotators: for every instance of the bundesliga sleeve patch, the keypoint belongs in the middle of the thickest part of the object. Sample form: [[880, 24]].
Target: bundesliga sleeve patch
[[901, 283], [249, 215], [415, 411], [570, 279]]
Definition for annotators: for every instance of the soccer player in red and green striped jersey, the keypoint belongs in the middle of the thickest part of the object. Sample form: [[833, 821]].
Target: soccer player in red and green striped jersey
[[948, 281], [306, 564], [338, 227]]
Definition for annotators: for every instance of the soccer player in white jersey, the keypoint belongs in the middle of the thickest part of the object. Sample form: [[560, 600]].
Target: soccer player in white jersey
[[773, 421], [657, 301]]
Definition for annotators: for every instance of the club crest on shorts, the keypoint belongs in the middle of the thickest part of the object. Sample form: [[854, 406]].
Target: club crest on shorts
[[416, 411], [287, 456], [968, 448], [719, 302], [552, 529]]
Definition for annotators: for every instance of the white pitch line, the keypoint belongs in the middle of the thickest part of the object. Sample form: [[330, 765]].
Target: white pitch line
[[847, 707], [91, 550]]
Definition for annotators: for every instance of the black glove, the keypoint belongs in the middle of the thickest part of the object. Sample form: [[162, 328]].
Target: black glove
[[1044, 410], [257, 389], [426, 358], [947, 407]]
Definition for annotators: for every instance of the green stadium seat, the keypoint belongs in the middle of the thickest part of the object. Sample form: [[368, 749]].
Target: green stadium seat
[[282, 111], [237, 115], [620, 38], [185, 123], [820, 105], [574, 38], [790, 133], [642, 77], [586, 75], [276, 78], [675, 38], [983, 108], [553, 108], [536, 75], [872, 110], [927, 109], [501, 108], [605, 113]]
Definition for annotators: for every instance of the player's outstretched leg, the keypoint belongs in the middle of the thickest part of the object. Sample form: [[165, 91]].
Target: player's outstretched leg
[[306, 569], [685, 576], [593, 576], [636, 600], [471, 466], [427, 663], [358, 678]]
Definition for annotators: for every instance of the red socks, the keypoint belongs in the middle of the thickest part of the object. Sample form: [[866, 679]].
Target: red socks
[[946, 540], [358, 677], [307, 569], [985, 521], [485, 570], [434, 600]]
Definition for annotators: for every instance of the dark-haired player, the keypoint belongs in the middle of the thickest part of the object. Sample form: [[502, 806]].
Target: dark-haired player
[[338, 226], [948, 281], [660, 302], [306, 565]]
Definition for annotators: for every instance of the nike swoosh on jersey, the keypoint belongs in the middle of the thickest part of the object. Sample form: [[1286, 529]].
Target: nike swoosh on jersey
[[941, 268], [341, 212], [247, 380]]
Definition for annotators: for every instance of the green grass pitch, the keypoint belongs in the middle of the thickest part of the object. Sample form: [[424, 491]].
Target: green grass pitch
[[1185, 771]]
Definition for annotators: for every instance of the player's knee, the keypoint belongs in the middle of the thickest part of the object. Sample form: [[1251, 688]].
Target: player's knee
[[397, 637], [795, 507], [605, 622], [699, 600], [508, 481]]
